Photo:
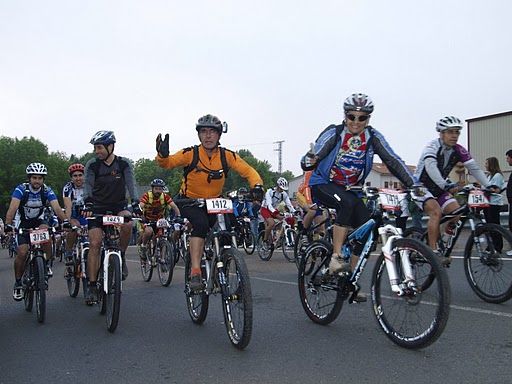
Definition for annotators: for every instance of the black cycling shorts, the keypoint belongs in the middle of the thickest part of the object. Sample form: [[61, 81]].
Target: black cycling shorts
[[350, 208]]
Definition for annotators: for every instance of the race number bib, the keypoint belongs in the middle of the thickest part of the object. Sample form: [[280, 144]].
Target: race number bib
[[477, 199], [39, 236], [112, 220], [390, 199], [219, 205]]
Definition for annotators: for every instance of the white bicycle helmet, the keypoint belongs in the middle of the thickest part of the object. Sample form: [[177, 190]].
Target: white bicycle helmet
[[36, 169], [448, 122], [358, 102], [282, 183]]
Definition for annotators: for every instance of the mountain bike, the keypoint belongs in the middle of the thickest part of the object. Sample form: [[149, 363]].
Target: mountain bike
[[224, 271], [244, 234], [282, 236], [488, 249], [77, 271], [160, 254], [109, 275], [411, 316], [35, 279], [179, 237]]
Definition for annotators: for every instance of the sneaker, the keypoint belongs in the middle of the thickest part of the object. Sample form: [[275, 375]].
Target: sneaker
[[92, 294], [17, 291], [125, 269], [338, 264], [196, 283], [509, 253], [49, 271], [360, 298]]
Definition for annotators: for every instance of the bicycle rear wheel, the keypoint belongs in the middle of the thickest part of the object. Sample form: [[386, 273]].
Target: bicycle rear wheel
[[40, 288], [165, 265], [113, 296], [197, 302], [145, 263], [418, 317], [237, 299], [489, 272], [320, 293], [288, 245], [264, 250]]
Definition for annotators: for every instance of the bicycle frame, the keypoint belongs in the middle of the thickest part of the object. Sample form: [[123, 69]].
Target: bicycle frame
[[213, 264], [465, 214]]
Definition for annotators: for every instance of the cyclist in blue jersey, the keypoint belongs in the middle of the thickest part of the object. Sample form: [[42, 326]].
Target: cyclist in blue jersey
[[243, 207], [72, 194], [29, 200], [342, 157]]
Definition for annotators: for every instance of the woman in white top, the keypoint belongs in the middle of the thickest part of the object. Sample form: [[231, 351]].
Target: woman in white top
[[492, 214]]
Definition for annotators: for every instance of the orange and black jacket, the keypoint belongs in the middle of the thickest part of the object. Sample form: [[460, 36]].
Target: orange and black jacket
[[197, 184]]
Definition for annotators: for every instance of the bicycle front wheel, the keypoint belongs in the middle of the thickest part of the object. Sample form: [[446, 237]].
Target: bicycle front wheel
[[40, 288], [237, 299], [489, 271], [265, 251], [165, 265], [289, 245], [28, 293], [73, 277], [249, 240], [197, 302], [113, 296], [145, 263], [320, 293], [417, 317]]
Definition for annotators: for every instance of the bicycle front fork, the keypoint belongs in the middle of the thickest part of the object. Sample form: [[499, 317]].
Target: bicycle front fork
[[397, 285]]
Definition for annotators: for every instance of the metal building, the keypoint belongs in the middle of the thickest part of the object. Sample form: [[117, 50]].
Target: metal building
[[491, 136]]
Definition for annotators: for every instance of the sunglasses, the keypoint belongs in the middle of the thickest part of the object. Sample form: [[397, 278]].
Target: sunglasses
[[352, 117]]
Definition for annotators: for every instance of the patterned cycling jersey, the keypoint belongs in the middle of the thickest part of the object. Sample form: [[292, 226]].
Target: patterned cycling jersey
[[77, 197], [350, 160], [33, 208], [155, 208], [438, 160]]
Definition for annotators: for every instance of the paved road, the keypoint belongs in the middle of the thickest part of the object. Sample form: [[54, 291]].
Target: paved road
[[157, 343]]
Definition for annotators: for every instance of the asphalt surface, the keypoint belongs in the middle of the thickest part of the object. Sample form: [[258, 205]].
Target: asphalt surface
[[156, 342]]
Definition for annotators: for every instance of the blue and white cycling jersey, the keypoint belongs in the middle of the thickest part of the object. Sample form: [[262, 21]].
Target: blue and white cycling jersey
[[77, 198], [33, 208]]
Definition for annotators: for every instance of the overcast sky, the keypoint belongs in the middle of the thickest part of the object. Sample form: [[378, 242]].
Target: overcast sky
[[274, 70]]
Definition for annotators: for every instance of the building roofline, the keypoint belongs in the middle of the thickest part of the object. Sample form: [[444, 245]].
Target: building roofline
[[488, 116]]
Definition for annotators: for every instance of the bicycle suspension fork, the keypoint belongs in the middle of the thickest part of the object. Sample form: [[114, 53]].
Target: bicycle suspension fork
[[389, 256]]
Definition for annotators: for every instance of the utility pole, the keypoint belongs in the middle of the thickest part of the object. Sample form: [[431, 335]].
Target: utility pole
[[279, 155]]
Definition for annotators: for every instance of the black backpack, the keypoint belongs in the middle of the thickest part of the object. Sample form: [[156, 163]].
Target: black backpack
[[212, 174], [26, 192]]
